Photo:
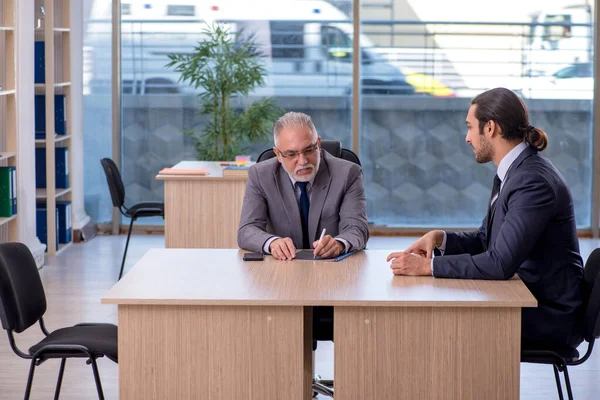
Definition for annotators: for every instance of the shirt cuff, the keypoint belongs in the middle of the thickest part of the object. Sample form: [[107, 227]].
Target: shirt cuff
[[268, 244], [442, 247], [345, 243]]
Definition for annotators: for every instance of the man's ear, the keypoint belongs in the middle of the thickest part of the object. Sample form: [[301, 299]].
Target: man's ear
[[491, 128], [276, 151]]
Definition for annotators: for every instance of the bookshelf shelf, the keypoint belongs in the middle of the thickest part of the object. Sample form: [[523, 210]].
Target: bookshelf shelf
[[7, 92], [63, 30], [5, 155], [7, 28], [4, 221], [57, 139], [56, 85], [43, 193]]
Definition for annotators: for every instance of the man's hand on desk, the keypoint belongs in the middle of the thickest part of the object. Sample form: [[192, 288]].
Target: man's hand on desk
[[426, 244], [283, 249], [327, 247], [409, 264]]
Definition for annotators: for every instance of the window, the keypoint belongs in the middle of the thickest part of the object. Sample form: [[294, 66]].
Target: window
[[181, 11], [157, 109], [418, 170], [97, 107], [287, 39]]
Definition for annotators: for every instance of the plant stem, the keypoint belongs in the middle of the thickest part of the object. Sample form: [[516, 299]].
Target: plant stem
[[224, 122], [216, 103]]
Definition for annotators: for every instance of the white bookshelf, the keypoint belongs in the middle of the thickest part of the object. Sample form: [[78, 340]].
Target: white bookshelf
[[55, 32], [8, 114]]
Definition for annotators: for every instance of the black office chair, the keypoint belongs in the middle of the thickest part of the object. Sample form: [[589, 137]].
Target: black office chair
[[23, 303], [322, 316], [117, 194], [561, 358]]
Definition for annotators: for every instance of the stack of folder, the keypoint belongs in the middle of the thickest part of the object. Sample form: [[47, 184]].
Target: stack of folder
[[180, 171], [237, 170], [8, 191]]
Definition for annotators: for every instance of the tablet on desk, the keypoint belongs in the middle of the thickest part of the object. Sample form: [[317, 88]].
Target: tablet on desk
[[307, 255]]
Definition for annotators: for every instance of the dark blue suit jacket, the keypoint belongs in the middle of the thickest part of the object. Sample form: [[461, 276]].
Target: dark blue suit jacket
[[533, 234]]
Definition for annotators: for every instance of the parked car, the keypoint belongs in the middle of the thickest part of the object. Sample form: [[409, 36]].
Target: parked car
[[573, 81]]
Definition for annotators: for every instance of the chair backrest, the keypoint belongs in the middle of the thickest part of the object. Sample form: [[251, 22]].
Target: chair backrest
[[591, 326], [115, 183], [351, 156], [22, 298], [333, 147]]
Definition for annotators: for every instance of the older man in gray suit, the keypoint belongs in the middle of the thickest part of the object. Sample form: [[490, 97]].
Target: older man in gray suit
[[290, 199]]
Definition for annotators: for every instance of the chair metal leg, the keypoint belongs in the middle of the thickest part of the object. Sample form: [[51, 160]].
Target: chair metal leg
[[29, 380], [126, 246], [568, 384], [97, 378], [320, 386], [61, 372], [558, 385]]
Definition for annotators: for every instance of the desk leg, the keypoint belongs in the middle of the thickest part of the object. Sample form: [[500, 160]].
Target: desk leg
[[391, 353], [214, 352]]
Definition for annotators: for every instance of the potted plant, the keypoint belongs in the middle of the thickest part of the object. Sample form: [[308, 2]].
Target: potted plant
[[226, 66]]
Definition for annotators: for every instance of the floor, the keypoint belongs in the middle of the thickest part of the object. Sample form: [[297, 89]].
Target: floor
[[77, 279]]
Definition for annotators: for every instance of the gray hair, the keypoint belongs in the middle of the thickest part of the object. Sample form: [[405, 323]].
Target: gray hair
[[295, 120]]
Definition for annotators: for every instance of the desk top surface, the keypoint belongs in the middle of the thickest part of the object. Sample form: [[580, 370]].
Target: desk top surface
[[216, 172], [220, 276]]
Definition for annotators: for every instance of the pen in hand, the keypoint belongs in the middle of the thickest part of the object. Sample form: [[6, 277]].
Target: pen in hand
[[322, 234]]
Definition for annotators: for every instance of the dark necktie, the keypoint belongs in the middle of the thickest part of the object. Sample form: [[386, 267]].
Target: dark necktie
[[492, 205], [304, 205]]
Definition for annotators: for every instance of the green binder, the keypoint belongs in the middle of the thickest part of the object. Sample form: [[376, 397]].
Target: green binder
[[6, 192]]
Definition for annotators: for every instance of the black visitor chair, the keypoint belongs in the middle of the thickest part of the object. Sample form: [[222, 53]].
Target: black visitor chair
[[117, 194], [23, 303], [561, 359]]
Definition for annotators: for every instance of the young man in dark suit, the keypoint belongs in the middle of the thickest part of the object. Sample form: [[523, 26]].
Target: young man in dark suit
[[529, 228]]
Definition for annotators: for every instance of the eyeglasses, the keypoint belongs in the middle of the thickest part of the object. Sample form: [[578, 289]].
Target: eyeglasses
[[292, 155]]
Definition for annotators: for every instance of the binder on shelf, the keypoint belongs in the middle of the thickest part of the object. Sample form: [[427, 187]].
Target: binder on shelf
[[61, 167], [40, 59], [60, 115], [64, 221], [41, 224], [8, 200], [13, 183]]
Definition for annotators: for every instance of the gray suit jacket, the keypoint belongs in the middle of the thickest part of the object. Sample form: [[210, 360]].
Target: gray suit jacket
[[533, 234], [337, 204]]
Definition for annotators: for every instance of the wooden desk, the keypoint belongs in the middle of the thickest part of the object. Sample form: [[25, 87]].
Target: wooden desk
[[202, 211], [200, 323]]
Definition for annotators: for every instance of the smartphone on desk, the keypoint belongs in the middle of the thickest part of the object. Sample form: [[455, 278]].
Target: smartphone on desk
[[253, 256]]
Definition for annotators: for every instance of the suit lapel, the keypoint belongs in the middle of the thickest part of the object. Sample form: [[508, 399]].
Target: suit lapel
[[290, 204], [318, 196], [529, 151]]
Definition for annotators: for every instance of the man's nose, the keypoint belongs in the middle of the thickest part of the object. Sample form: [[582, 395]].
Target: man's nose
[[302, 159]]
